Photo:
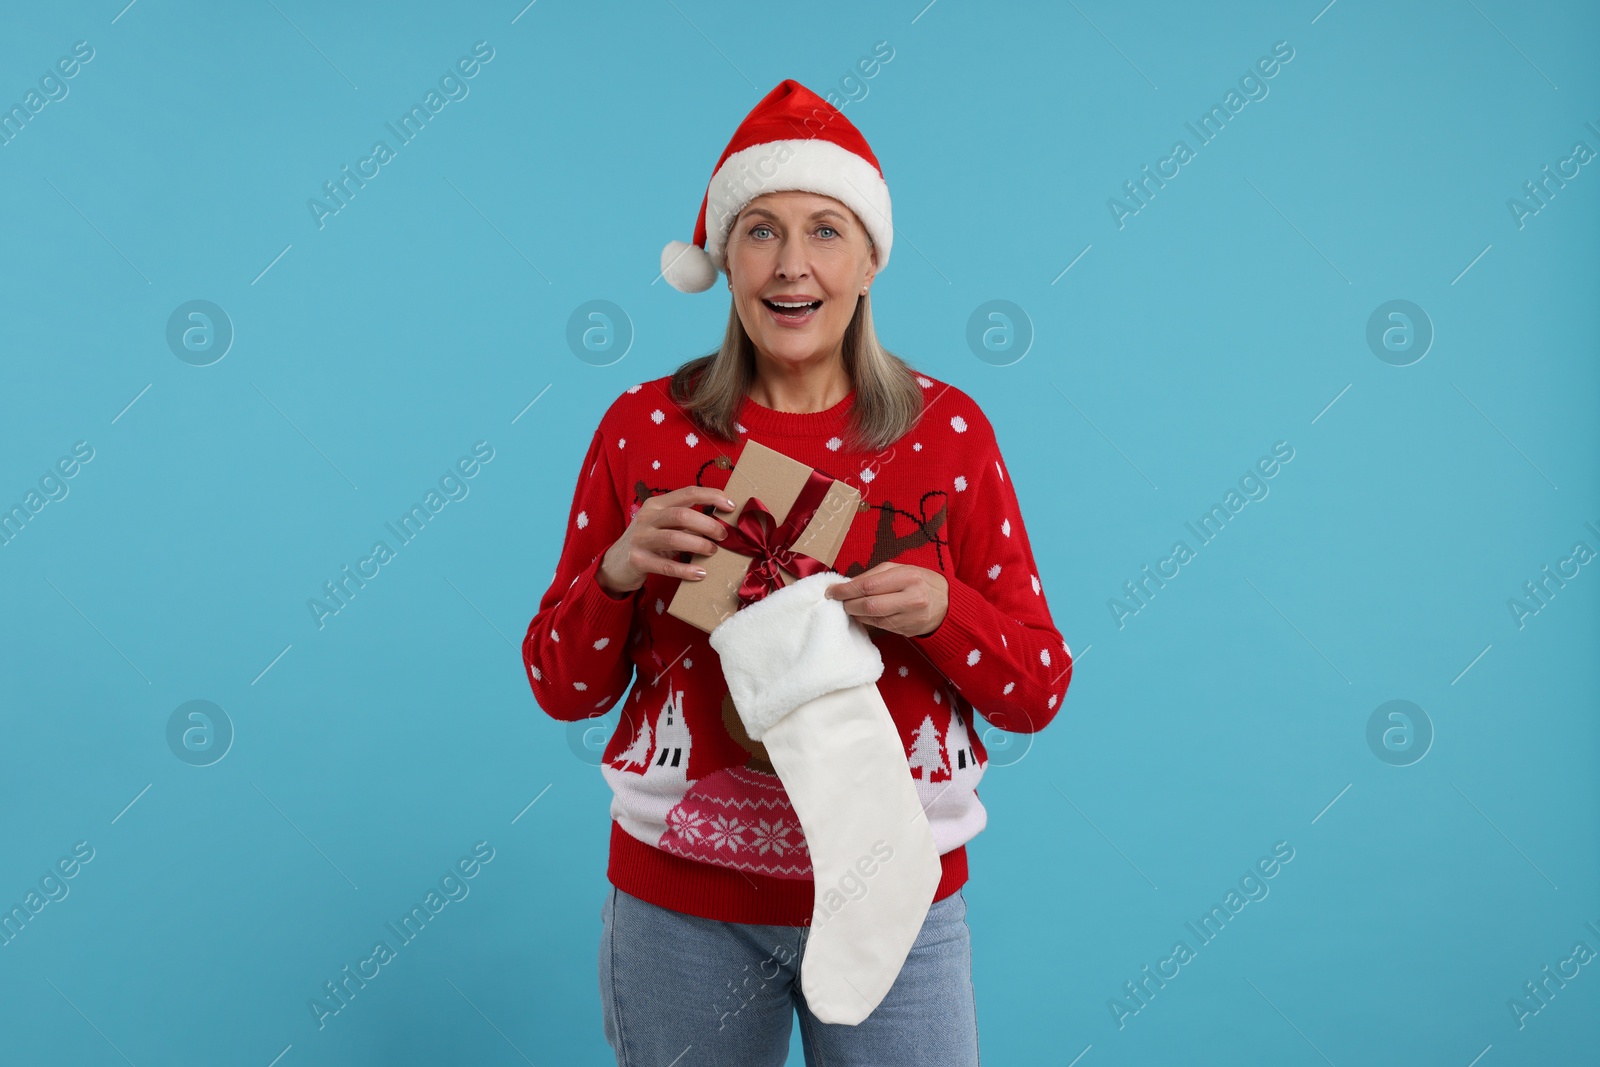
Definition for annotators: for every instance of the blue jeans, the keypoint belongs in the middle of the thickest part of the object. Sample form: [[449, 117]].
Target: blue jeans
[[677, 990]]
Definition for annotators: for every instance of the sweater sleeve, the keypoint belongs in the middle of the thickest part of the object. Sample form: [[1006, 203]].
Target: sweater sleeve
[[575, 650], [997, 643]]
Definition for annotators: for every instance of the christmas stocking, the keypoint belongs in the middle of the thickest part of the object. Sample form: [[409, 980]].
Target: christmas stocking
[[803, 676]]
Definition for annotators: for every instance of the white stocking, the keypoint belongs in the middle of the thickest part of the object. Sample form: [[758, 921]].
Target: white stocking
[[803, 675]]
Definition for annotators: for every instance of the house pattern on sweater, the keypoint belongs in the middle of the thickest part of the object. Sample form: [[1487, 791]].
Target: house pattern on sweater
[[740, 816]]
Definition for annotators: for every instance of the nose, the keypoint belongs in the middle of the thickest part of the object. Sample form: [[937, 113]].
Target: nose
[[791, 261]]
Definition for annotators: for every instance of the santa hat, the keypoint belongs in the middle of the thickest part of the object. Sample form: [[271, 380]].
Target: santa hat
[[792, 140]]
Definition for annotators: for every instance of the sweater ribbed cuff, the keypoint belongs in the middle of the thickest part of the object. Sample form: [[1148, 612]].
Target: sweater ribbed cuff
[[966, 616], [602, 614]]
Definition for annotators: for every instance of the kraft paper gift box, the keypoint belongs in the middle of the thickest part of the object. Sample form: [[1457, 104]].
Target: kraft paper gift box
[[776, 480]]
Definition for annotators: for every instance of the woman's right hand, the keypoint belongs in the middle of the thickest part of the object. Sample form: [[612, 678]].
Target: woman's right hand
[[664, 526]]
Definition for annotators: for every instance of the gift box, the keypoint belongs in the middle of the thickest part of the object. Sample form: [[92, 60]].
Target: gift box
[[766, 548]]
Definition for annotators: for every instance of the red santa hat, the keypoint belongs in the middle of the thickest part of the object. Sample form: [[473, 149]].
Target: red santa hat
[[792, 140]]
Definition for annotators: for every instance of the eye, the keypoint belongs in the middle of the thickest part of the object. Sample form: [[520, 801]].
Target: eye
[[758, 227], [830, 231]]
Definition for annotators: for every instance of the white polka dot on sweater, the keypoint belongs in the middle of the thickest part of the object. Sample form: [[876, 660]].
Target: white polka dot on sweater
[[1005, 527], [535, 672], [635, 388], [1035, 578], [958, 424], [1051, 702], [833, 444], [994, 572], [917, 447], [740, 427], [691, 440], [973, 657], [904, 670], [1044, 656], [961, 484], [580, 686], [867, 474], [601, 643], [657, 416], [655, 465], [622, 442], [555, 637], [937, 698], [1001, 469], [660, 606], [925, 383], [583, 519], [1009, 686], [688, 662]]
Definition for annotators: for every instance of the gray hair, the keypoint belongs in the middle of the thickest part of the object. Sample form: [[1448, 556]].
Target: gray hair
[[711, 388]]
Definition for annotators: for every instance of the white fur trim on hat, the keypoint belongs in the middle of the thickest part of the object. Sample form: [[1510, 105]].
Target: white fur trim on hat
[[790, 647], [812, 166]]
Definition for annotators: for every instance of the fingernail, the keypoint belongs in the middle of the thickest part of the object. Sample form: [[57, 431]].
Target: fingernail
[[727, 505], [699, 573]]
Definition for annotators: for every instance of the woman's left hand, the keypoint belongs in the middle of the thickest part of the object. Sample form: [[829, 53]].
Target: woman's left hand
[[899, 597]]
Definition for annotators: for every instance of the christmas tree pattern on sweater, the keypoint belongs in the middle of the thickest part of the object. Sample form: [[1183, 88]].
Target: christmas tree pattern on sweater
[[740, 816]]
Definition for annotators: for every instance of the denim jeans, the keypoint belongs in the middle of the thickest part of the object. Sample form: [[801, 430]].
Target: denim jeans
[[677, 990]]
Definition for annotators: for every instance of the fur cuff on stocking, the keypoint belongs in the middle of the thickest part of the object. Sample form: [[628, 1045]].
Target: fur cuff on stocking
[[789, 647]]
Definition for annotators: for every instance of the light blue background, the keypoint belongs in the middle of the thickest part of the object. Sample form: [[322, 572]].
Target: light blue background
[[1228, 314]]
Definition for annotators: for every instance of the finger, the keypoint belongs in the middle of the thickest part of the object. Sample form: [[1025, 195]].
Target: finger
[[698, 496], [873, 582], [693, 497], [854, 589], [666, 541], [698, 521], [677, 517], [895, 623], [649, 563], [875, 606]]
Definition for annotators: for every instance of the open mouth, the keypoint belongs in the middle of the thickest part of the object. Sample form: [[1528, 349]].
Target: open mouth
[[792, 311]]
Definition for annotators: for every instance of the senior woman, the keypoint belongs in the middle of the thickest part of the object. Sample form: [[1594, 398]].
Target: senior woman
[[705, 925]]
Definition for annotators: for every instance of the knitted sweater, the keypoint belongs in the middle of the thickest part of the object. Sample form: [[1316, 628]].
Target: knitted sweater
[[700, 824]]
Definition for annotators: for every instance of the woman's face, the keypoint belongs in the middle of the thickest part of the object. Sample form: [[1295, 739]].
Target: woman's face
[[798, 248]]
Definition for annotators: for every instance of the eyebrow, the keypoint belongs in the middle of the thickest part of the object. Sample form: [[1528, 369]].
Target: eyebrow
[[815, 214]]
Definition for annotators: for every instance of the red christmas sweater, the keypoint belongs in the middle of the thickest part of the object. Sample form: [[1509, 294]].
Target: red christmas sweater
[[700, 824]]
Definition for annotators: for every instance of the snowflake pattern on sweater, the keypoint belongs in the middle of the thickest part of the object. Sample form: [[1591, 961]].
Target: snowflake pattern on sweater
[[681, 783]]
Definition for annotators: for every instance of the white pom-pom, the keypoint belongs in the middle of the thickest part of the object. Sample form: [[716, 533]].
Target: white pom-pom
[[687, 268]]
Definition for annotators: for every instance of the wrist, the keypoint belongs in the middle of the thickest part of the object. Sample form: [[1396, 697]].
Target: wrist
[[603, 580]]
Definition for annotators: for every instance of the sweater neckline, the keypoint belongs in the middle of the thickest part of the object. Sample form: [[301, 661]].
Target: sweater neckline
[[767, 420]]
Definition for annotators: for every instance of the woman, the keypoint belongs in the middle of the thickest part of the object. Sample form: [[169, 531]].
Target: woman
[[705, 928]]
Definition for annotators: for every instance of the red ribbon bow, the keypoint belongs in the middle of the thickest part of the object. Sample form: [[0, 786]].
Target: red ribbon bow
[[757, 533]]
